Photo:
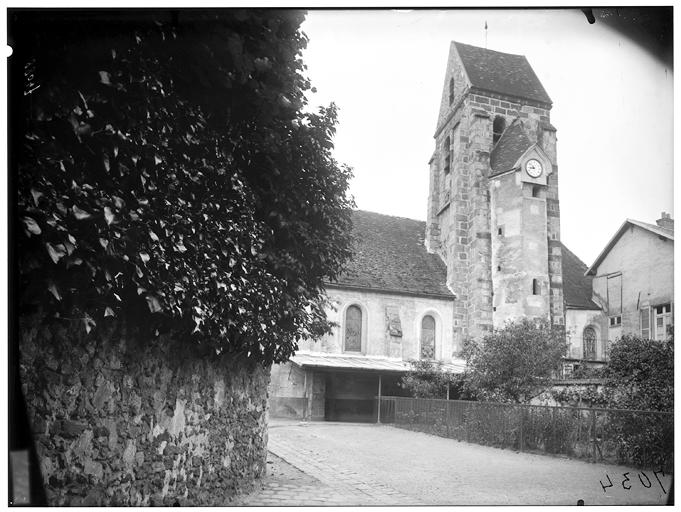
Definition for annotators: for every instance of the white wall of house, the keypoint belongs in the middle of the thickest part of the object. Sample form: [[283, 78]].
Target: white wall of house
[[643, 263]]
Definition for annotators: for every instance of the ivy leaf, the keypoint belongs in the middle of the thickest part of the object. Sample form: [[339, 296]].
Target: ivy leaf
[[56, 252], [108, 312], [89, 323], [52, 288], [31, 225], [153, 303], [105, 77], [108, 215], [105, 161], [36, 195], [153, 236], [144, 257], [80, 214]]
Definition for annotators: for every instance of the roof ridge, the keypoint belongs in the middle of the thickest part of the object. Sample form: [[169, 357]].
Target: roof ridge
[[388, 215], [487, 49]]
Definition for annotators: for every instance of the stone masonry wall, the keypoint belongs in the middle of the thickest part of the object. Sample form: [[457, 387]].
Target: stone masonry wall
[[117, 421]]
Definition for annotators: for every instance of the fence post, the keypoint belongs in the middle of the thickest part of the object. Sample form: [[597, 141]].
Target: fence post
[[553, 430], [593, 433], [522, 418]]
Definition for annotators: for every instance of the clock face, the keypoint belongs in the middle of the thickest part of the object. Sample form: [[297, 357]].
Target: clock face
[[533, 168]]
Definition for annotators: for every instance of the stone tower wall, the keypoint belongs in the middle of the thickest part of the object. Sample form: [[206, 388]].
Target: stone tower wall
[[461, 227]]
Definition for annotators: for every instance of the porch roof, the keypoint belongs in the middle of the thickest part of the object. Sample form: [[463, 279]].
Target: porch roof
[[363, 363]]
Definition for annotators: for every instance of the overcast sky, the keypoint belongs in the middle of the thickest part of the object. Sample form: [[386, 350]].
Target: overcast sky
[[612, 107]]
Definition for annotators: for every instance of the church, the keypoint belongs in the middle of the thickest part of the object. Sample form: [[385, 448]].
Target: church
[[489, 252]]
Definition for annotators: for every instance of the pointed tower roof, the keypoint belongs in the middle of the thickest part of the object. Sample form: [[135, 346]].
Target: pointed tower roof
[[502, 73], [513, 144]]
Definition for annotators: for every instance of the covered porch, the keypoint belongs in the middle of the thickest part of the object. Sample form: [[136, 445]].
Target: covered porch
[[338, 387]]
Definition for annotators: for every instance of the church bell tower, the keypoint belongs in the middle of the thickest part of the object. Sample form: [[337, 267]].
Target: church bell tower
[[493, 211]]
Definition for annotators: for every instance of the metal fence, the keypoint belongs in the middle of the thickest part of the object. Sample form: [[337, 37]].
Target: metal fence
[[640, 438]]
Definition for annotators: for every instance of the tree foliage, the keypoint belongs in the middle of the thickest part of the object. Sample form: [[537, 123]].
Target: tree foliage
[[640, 374], [169, 173], [427, 379], [515, 362]]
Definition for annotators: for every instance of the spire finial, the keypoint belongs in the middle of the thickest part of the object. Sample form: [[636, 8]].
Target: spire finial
[[485, 34]]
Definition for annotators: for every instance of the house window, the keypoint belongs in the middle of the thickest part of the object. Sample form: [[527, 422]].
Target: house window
[[662, 320], [498, 127], [428, 337], [616, 321], [353, 329], [451, 91], [535, 287], [589, 343]]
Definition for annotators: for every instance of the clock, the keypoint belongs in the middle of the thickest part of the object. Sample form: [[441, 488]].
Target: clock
[[533, 168]]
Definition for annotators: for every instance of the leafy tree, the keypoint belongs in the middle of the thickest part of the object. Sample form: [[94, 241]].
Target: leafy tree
[[640, 374], [168, 173], [427, 379], [515, 362]]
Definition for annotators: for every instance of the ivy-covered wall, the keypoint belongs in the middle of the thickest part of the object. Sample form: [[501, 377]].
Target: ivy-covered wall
[[123, 421]]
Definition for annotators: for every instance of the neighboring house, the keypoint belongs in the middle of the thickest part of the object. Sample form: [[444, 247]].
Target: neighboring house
[[633, 280]]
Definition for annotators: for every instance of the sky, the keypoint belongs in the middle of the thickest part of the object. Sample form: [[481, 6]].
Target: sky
[[612, 107]]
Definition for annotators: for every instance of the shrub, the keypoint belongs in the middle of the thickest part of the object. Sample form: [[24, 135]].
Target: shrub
[[167, 173]]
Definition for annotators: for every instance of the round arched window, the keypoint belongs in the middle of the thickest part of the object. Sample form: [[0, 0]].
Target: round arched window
[[589, 339], [428, 337], [353, 329]]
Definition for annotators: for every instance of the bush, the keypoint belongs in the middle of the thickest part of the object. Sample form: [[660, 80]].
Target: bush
[[168, 174], [515, 363]]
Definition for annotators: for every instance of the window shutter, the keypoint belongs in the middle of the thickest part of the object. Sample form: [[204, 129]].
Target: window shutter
[[645, 323]]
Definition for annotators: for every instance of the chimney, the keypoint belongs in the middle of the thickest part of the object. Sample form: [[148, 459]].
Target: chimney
[[666, 221]]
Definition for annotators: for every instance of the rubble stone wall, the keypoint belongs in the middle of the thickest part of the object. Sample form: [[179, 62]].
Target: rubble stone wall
[[123, 421]]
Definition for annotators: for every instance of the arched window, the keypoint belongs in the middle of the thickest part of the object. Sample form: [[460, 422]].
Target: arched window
[[498, 127], [353, 329], [535, 287], [448, 154], [589, 343], [428, 337], [451, 91], [536, 191]]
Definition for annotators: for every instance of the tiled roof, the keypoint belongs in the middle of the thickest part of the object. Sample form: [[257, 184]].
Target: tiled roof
[[576, 286], [658, 230], [511, 146], [362, 362], [390, 255], [653, 228], [502, 73]]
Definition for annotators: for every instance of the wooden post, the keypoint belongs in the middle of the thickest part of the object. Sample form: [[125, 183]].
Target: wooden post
[[593, 433], [553, 430], [379, 398], [522, 418]]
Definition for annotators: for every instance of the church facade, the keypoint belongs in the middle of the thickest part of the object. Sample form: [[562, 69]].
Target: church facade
[[489, 252]]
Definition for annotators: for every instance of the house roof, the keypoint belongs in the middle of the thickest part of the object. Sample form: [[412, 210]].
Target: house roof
[[390, 255], [363, 362], [652, 228], [512, 144], [502, 73], [577, 291]]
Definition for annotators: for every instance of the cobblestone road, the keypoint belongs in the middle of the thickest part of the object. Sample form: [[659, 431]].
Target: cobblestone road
[[364, 464]]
